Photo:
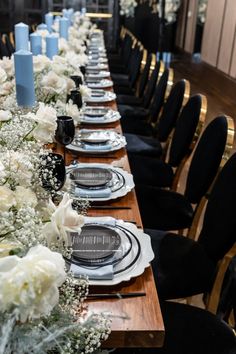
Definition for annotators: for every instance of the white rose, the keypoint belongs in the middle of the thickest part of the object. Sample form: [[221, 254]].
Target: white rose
[[63, 45], [64, 219], [5, 115], [20, 167], [7, 65], [85, 91], [41, 62], [7, 198], [6, 88], [46, 117], [3, 75], [52, 83], [25, 197], [72, 111], [31, 283]]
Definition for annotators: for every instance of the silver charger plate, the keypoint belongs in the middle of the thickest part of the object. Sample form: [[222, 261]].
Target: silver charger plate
[[99, 115], [114, 141], [102, 97], [120, 184], [99, 75], [100, 84], [91, 176], [96, 67], [141, 246]]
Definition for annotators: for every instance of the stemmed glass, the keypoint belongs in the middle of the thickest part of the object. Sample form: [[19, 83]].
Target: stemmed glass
[[65, 132], [77, 80], [76, 98]]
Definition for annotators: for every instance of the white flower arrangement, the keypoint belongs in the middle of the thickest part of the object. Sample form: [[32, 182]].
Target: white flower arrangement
[[127, 7], [41, 306], [171, 7]]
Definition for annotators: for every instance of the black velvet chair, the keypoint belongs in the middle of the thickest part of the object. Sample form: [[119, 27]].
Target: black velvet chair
[[167, 210], [129, 80], [119, 62], [131, 98], [184, 267], [150, 146], [147, 111], [190, 330], [156, 172]]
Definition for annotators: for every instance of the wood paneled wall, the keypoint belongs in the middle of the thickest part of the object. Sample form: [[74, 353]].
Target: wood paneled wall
[[219, 37]]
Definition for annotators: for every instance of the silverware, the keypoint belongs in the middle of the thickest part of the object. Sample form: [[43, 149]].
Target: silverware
[[109, 207], [115, 295]]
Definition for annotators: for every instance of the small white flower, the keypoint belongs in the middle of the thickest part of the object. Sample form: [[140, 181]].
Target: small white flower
[[25, 197], [7, 198], [5, 116], [31, 283], [3, 75]]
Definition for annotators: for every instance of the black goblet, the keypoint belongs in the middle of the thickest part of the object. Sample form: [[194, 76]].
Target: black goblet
[[65, 131], [52, 172], [83, 69], [76, 98], [77, 80]]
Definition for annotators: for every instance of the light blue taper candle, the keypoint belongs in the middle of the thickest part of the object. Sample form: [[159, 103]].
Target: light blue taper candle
[[24, 75], [64, 27], [36, 43], [51, 45], [42, 27], [22, 36], [49, 21]]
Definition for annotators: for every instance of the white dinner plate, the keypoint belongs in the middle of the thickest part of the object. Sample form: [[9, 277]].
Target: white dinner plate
[[100, 96], [99, 115], [114, 141], [120, 184], [138, 258]]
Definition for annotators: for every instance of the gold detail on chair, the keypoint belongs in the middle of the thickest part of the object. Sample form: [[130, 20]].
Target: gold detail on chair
[[153, 63], [186, 92], [4, 38], [214, 297], [200, 124], [169, 82], [192, 232], [11, 37], [144, 59]]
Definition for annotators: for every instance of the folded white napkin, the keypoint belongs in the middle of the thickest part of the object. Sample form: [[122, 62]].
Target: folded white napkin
[[95, 147], [88, 118], [93, 193], [99, 273]]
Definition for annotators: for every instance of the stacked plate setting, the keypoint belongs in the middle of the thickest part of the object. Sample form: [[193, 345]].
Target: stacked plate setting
[[109, 251]]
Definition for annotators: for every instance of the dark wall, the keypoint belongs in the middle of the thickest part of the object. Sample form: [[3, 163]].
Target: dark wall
[[145, 26]]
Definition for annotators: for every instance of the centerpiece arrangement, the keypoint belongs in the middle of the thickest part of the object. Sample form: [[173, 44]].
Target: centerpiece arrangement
[[41, 303]]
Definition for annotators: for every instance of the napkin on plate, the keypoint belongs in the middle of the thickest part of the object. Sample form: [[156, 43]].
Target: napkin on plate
[[92, 193], [98, 273], [95, 147]]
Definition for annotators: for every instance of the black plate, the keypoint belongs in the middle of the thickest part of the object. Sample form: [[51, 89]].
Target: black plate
[[96, 242], [91, 176]]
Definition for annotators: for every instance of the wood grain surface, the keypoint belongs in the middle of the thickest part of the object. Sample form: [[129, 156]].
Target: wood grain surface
[[136, 322]]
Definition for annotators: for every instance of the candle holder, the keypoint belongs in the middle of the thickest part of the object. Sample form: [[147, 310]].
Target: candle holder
[[76, 98], [65, 132]]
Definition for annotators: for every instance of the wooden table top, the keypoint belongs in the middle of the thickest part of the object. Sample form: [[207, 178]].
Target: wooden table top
[[137, 321]]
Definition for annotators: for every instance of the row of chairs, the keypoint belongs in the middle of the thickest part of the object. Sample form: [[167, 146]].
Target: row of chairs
[[164, 131]]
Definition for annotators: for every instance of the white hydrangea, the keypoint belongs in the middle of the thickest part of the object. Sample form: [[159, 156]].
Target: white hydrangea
[[127, 7], [30, 284]]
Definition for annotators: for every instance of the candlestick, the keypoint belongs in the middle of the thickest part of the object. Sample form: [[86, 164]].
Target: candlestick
[[51, 45], [25, 94], [22, 36], [42, 27], [36, 43], [64, 27], [49, 21]]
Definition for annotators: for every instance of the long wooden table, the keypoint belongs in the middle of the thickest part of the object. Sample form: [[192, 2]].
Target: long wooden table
[[137, 321]]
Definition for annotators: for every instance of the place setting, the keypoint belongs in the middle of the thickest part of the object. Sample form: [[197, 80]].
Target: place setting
[[99, 115], [100, 96], [98, 182], [103, 74], [109, 251], [99, 84], [97, 141]]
